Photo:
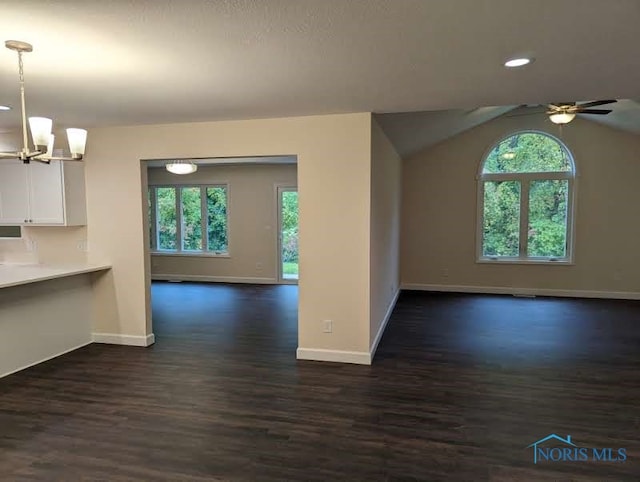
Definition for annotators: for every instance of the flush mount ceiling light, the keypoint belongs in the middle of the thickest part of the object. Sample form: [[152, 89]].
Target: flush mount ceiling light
[[518, 62], [181, 167], [40, 127]]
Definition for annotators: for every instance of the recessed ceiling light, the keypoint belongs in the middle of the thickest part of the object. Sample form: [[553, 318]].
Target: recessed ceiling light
[[517, 62], [5, 107]]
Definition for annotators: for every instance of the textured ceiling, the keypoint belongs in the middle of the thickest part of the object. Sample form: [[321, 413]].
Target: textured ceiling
[[149, 61]]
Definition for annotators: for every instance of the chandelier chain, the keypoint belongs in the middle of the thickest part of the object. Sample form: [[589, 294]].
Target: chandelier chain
[[25, 148], [20, 67]]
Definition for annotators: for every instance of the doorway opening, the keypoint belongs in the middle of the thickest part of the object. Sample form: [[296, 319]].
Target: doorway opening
[[220, 224]]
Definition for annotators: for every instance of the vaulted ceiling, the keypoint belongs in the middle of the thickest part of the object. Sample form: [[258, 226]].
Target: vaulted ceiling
[[115, 62], [412, 132]]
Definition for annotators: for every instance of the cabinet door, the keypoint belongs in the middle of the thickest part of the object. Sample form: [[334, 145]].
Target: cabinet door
[[14, 193], [46, 198]]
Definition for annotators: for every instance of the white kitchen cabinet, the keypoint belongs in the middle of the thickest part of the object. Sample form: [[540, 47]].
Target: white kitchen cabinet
[[14, 193], [42, 194]]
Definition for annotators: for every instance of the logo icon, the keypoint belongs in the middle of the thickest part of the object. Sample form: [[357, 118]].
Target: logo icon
[[570, 452]]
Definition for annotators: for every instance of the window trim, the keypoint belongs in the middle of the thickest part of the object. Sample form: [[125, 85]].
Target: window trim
[[179, 221], [525, 180]]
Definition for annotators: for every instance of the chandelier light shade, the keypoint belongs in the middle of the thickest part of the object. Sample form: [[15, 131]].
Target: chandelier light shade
[[40, 131], [562, 117], [77, 142], [181, 167], [40, 127], [49, 152]]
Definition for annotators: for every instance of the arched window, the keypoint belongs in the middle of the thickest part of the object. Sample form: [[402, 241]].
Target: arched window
[[525, 200]]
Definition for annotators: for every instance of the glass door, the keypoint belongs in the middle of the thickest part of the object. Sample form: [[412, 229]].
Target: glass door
[[288, 234]]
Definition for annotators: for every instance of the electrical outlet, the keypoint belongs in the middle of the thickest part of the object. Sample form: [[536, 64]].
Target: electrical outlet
[[327, 326], [445, 273], [31, 244], [259, 266], [82, 245]]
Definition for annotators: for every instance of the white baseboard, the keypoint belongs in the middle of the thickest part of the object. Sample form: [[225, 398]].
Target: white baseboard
[[213, 279], [504, 290], [45, 359], [383, 325], [357, 357], [116, 339]]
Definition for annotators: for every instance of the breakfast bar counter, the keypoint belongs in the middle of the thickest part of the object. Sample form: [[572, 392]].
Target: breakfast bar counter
[[45, 311], [20, 274]]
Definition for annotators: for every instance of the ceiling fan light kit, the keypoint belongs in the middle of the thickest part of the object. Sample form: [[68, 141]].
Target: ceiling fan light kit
[[40, 127], [561, 117], [565, 112]]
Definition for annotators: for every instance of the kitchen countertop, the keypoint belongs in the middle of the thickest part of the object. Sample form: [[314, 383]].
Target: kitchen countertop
[[21, 274]]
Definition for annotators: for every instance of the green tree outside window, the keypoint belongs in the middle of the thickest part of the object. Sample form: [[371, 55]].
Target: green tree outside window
[[526, 184]]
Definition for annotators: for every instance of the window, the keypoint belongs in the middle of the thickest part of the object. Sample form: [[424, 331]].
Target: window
[[216, 211], [10, 232], [525, 198], [188, 219], [191, 226]]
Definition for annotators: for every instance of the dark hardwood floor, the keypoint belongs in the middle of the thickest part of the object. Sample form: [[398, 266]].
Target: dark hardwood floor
[[459, 387]]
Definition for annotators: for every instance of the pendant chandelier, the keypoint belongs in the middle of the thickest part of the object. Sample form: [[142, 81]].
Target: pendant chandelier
[[40, 127]]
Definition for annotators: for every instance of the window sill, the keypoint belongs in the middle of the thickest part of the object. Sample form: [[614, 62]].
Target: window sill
[[190, 254], [560, 262]]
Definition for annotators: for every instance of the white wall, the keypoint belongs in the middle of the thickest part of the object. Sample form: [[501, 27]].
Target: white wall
[[439, 214], [334, 183], [385, 229], [252, 223]]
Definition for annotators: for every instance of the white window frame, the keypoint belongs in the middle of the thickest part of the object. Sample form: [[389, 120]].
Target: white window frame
[[204, 252], [525, 180]]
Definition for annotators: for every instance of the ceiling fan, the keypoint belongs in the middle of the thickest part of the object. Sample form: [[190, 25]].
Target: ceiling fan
[[565, 112]]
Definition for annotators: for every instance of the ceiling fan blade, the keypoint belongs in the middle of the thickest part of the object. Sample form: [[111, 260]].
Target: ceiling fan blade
[[596, 103], [594, 111]]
